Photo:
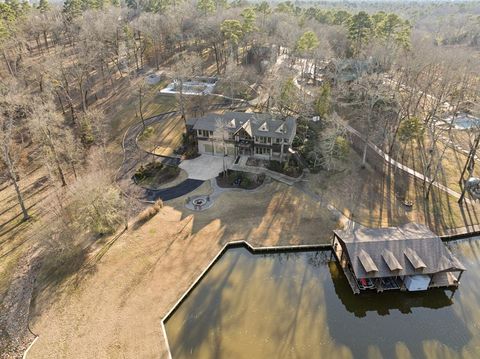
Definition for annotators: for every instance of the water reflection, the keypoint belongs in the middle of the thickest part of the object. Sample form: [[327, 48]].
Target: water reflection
[[388, 318], [299, 305], [385, 302]]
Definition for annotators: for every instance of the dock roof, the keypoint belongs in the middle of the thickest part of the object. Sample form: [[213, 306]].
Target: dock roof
[[396, 251]]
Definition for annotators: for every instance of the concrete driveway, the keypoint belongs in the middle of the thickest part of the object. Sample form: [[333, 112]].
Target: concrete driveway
[[205, 167]]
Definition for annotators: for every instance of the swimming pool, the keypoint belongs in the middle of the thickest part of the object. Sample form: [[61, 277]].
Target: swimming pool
[[464, 122]]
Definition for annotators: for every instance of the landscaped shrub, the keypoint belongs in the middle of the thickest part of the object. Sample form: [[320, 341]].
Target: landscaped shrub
[[245, 183], [233, 179], [290, 168], [158, 205], [150, 212], [191, 153], [147, 132], [154, 174], [149, 170], [275, 166]]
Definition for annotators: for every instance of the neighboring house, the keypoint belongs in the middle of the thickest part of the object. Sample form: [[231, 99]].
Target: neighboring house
[[348, 70], [410, 257], [234, 134]]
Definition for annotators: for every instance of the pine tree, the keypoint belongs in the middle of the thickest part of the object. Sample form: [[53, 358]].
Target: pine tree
[[72, 8], [43, 6], [360, 30], [323, 103], [307, 42], [25, 7], [3, 30], [248, 16], [206, 6], [15, 6]]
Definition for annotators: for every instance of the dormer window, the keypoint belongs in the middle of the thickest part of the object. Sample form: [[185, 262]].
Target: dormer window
[[231, 124], [281, 129], [263, 127]]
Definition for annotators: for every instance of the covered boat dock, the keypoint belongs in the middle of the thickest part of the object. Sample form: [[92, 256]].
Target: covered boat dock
[[409, 257]]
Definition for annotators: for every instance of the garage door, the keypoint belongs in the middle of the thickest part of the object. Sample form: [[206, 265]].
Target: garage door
[[208, 148]]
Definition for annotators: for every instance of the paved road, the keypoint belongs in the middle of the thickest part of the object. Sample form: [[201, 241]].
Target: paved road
[[167, 194]]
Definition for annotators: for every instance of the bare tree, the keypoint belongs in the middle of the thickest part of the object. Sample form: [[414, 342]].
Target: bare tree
[[186, 66], [11, 112], [49, 132], [220, 135]]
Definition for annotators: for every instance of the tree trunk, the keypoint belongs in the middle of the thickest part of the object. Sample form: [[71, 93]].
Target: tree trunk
[[9, 67], [26, 216], [37, 40], [60, 172], [216, 58], [157, 62], [182, 102], [140, 106], [72, 164], [364, 156], [45, 39], [13, 177], [61, 102], [82, 95]]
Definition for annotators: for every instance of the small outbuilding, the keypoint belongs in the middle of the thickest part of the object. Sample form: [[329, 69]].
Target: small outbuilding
[[410, 257]]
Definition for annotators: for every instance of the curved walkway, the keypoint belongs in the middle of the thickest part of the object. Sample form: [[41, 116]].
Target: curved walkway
[[133, 155]]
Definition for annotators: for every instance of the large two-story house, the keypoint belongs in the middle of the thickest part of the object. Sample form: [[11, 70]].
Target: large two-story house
[[258, 135]]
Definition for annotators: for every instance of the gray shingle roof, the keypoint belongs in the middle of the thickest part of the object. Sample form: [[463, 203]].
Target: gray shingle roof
[[262, 124], [416, 250]]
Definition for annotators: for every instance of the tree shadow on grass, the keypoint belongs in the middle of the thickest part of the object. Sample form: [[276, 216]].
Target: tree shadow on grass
[[61, 272]]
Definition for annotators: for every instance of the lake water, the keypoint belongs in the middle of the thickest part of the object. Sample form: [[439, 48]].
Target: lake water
[[299, 305]]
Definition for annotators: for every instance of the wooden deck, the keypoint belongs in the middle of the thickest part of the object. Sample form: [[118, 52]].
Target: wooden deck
[[445, 279], [337, 250]]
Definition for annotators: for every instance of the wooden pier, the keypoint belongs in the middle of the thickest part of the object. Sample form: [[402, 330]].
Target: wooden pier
[[337, 250]]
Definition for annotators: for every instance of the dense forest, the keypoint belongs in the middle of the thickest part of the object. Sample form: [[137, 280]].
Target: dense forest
[[389, 69]]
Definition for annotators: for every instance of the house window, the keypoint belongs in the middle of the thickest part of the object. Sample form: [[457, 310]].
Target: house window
[[278, 140], [205, 133], [263, 139], [262, 151]]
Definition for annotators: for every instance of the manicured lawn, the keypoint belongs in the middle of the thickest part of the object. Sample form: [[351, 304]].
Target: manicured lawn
[[124, 111], [162, 138]]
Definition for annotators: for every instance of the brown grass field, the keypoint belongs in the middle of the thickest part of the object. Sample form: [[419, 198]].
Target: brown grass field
[[113, 306]]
